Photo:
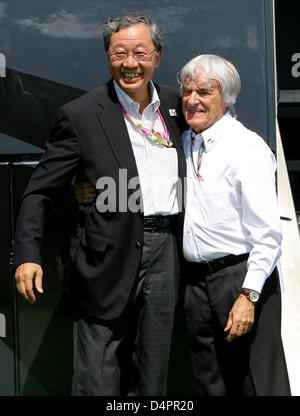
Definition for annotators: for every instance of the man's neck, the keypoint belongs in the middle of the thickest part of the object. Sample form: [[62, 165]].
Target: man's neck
[[143, 98]]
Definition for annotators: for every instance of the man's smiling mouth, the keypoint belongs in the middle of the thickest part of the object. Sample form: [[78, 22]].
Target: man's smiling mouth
[[128, 75]]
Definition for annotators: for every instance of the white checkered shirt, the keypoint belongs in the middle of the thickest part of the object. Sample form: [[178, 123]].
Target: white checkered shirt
[[157, 165]]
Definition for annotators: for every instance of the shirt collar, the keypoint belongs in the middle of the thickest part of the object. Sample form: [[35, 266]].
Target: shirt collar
[[132, 106], [214, 133]]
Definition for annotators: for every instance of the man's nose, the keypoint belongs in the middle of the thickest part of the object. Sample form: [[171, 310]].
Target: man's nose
[[130, 61], [193, 99]]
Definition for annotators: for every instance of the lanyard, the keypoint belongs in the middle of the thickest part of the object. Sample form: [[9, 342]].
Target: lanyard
[[157, 137]]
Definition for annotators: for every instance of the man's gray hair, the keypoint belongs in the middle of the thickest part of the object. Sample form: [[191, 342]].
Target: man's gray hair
[[216, 68], [114, 25]]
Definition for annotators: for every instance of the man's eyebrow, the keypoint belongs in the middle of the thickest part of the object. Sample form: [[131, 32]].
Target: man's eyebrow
[[121, 45], [198, 89]]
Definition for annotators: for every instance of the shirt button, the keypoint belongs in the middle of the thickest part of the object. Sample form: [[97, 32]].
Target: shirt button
[[138, 244]]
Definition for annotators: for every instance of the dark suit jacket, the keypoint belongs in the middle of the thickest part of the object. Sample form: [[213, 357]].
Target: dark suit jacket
[[90, 138]]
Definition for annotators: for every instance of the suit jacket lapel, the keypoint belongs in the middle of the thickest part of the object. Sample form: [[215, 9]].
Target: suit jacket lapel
[[174, 133], [112, 121]]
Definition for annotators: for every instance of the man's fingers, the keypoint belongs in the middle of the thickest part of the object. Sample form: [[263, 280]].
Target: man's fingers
[[29, 291], [238, 329], [242, 318], [21, 289], [38, 281], [25, 275], [228, 325], [233, 332]]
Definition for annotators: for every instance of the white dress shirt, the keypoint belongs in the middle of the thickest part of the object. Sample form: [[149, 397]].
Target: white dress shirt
[[234, 209], [157, 165]]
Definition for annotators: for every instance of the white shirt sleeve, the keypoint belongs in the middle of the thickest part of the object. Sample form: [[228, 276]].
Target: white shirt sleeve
[[260, 214]]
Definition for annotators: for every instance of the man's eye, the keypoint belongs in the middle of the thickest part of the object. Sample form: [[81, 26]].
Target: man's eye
[[140, 54], [120, 54]]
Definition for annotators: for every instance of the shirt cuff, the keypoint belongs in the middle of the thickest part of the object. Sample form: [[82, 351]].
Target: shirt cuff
[[254, 280]]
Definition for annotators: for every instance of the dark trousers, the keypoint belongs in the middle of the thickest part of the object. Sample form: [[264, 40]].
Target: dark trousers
[[130, 355], [252, 364]]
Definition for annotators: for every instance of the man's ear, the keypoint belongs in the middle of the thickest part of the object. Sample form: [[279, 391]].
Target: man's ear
[[158, 57]]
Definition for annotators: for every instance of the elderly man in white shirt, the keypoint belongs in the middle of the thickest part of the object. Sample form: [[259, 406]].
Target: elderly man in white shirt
[[231, 241]]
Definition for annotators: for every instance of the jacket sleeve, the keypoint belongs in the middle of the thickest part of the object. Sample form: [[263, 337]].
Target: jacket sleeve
[[46, 188]]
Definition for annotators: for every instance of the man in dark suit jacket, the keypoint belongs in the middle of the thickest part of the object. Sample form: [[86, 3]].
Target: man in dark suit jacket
[[123, 266]]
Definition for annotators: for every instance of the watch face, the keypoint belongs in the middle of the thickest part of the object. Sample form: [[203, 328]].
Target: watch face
[[254, 296]]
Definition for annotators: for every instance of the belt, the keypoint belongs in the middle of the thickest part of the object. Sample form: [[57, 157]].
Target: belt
[[214, 266], [157, 223]]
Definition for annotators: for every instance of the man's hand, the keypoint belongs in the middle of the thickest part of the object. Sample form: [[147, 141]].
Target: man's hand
[[25, 274], [241, 318], [85, 192]]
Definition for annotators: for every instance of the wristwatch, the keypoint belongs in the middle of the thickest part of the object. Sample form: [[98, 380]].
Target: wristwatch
[[251, 295]]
